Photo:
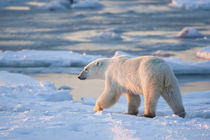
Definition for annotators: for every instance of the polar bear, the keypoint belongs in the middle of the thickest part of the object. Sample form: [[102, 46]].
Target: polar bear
[[146, 75]]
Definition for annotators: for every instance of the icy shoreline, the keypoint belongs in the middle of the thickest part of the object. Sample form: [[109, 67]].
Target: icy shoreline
[[181, 67], [35, 58], [37, 110], [43, 61]]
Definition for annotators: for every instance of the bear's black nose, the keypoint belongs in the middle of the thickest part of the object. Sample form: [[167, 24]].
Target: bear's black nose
[[81, 78]]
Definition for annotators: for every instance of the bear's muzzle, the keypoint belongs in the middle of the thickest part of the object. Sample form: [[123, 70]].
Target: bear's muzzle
[[81, 77]]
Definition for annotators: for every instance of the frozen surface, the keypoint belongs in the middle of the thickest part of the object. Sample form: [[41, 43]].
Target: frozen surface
[[189, 32], [191, 4], [17, 91], [35, 58], [62, 61], [181, 67], [204, 53], [36, 110]]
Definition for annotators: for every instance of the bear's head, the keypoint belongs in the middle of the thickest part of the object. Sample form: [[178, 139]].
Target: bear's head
[[94, 70]]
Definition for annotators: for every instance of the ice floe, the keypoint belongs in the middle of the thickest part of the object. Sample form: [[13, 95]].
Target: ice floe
[[204, 53], [63, 61], [17, 91], [181, 67], [189, 32], [35, 58], [191, 4]]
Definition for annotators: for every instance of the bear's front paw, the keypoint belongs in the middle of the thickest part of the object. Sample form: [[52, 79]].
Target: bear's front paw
[[98, 108], [148, 115]]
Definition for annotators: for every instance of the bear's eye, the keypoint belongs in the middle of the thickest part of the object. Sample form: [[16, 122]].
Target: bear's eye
[[97, 64]]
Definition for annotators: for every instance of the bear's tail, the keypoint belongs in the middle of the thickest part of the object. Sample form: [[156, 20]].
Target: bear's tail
[[172, 94]]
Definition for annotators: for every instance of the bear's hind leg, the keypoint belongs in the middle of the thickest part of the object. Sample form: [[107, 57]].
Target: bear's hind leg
[[133, 103], [150, 103], [174, 100]]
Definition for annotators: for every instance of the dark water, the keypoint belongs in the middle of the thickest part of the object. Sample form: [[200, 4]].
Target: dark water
[[145, 27]]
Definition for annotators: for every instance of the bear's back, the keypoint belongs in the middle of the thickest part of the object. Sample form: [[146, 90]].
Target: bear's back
[[129, 73]]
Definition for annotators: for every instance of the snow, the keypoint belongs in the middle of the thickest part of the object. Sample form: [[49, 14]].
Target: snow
[[204, 53], [35, 58], [31, 110], [17, 81], [191, 4], [108, 34], [189, 32], [27, 113], [19, 93], [181, 67], [64, 60]]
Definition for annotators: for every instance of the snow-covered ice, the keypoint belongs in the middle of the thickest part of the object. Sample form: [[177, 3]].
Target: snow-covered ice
[[15, 88], [27, 113], [30, 109], [35, 58], [181, 67], [189, 32], [204, 53], [191, 4]]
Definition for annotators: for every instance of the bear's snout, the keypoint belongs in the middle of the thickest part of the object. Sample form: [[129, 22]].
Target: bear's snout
[[82, 76]]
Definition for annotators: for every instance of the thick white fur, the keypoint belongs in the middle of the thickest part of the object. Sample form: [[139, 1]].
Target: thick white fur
[[147, 75]]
